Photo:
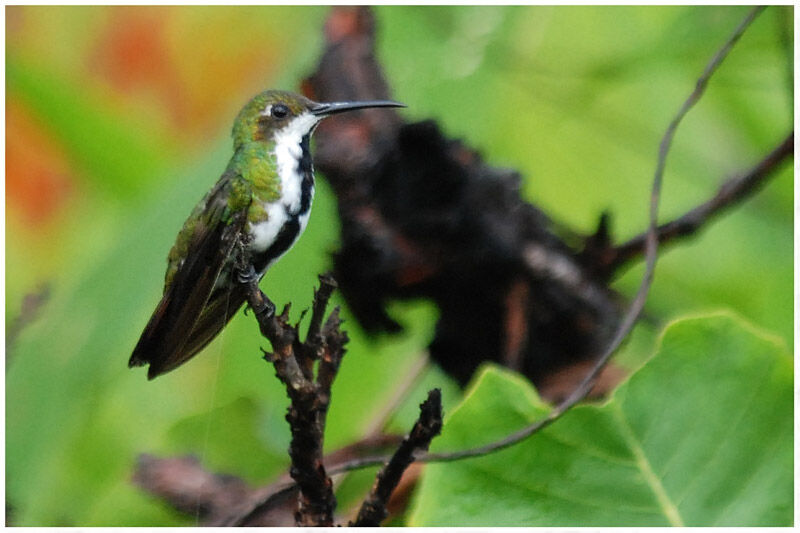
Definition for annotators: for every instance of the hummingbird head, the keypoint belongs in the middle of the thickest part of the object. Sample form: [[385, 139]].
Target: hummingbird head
[[273, 113]]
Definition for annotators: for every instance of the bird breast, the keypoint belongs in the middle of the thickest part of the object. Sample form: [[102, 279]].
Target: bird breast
[[296, 185]]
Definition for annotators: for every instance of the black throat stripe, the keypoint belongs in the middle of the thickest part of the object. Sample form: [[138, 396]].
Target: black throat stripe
[[306, 168], [286, 237]]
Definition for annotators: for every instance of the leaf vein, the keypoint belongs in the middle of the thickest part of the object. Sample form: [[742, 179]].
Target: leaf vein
[[588, 450], [667, 507], [548, 492]]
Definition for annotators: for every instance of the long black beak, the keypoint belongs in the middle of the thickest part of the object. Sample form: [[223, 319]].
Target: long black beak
[[332, 108]]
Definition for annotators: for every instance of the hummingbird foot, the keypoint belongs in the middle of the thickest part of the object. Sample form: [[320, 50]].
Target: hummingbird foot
[[247, 274], [267, 308], [243, 266]]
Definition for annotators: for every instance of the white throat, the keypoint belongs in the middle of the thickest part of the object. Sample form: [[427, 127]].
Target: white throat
[[287, 155], [288, 151]]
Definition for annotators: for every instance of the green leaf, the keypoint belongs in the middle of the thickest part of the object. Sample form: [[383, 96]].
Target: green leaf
[[701, 435]]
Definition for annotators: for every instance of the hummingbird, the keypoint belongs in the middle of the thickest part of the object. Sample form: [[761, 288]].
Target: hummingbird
[[262, 202]]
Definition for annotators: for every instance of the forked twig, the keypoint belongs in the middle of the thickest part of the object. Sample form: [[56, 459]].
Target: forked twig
[[309, 398]]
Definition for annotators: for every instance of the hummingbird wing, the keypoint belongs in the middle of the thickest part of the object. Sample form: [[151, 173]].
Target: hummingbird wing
[[219, 310], [166, 341]]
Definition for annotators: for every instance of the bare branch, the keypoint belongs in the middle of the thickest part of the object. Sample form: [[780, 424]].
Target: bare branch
[[428, 426], [313, 344], [309, 400], [729, 194], [266, 504], [187, 486]]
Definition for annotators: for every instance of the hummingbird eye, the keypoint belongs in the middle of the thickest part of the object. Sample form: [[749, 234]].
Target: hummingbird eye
[[279, 111]]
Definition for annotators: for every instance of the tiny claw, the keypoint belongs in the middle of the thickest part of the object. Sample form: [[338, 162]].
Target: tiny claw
[[269, 308], [265, 307], [246, 275]]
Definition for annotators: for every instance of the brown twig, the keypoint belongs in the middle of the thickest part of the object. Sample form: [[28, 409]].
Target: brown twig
[[428, 425], [309, 399], [189, 487], [313, 344], [264, 504], [183, 483], [729, 194]]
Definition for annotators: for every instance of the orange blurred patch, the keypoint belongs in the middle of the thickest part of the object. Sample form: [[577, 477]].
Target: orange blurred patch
[[133, 50], [190, 59], [39, 181], [132, 55]]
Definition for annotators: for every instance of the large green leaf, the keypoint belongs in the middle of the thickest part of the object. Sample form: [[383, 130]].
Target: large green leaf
[[701, 435]]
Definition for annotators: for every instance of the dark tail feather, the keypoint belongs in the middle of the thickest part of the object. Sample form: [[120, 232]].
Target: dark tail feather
[[164, 355], [148, 348]]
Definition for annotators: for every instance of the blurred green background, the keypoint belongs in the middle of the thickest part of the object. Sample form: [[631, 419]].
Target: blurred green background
[[118, 120]]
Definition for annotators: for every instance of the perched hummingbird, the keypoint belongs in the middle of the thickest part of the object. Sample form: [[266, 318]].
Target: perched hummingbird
[[262, 201]]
